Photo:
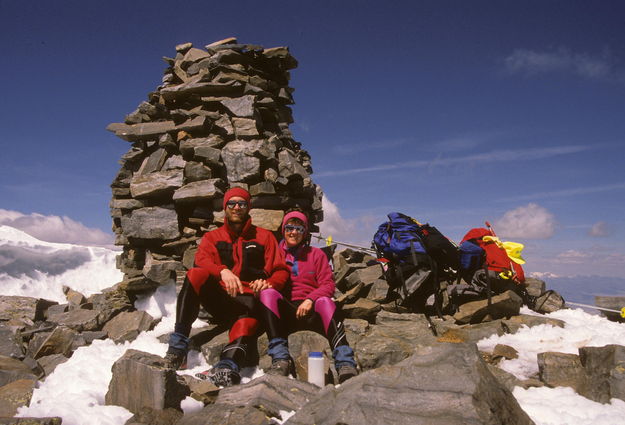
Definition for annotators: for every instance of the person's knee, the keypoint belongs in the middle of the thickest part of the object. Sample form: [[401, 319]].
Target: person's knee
[[270, 297], [325, 305]]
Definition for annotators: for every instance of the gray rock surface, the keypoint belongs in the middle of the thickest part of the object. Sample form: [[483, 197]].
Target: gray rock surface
[[503, 305], [13, 370], [143, 380], [151, 223], [126, 326], [15, 395], [561, 370], [443, 384], [605, 372]]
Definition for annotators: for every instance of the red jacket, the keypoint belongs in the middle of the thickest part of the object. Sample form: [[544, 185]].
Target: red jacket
[[254, 254]]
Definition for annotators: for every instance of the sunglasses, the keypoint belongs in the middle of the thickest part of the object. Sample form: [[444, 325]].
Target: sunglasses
[[294, 228], [232, 204]]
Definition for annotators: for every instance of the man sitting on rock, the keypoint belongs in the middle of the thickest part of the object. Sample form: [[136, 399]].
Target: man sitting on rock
[[233, 264]]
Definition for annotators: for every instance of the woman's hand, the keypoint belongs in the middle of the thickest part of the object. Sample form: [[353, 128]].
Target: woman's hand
[[259, 285], [232, 281], [304, 309]]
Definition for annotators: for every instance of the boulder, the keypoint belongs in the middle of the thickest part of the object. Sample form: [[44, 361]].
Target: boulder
[[156, 184], [11, 345], [148, 416], [378, 291], [49, 363], [59, 341], [612, 303], [245, 127], [199, 191], [549, 302], [154, 162], [514, 323], [442, 384], [267, 219], [270, 394], [162, 272], [534, 287], [503, 305], [241, 106], [223, 414], [303, 342], [289, 167], [393, 339], [367, 276], [127, 325], [143, 380], [561, 370], [605, 372], [32, 421], [151, 223], [470, 333], [22, 310], [143, 131], [78, 319], [110, 302], [362, 309], [503, 351], [239, 162], [13, 370], [196, 171], [15, 395]]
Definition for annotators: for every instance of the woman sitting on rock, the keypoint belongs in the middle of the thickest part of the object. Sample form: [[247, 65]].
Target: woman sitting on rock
[[309, 306]]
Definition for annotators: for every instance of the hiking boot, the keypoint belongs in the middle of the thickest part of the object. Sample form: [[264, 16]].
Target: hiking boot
[[345, 372], [176, 360], [220, 376], [282, 367]]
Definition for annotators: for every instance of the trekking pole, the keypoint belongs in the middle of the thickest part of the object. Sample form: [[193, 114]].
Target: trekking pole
[[330, 241], [621, 311]]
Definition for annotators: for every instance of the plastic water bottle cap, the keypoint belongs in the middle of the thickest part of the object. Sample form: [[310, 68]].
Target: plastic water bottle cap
[[315, 354]]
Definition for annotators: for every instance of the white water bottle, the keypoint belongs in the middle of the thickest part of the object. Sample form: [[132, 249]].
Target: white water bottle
[[316, 368]]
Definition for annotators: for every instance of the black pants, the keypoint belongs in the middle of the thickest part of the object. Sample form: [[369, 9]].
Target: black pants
[[239, 313]]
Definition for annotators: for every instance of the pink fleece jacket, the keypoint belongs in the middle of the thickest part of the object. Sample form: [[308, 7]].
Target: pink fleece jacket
[[314, 277]]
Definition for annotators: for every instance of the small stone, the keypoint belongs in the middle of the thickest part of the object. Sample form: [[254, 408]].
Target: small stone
[[245, 127], [183, 47], [229, 40]]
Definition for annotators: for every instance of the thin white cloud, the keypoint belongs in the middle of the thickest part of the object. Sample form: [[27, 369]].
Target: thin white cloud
[[52, 228], [566, 192], [493, 156], [527, 222], [600, 229], [531, 62], [351, 148]]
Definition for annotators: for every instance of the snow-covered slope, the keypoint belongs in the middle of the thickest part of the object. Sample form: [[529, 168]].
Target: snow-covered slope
[[35, 268]]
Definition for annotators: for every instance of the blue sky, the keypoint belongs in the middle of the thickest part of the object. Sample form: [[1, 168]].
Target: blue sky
[[452, 112]]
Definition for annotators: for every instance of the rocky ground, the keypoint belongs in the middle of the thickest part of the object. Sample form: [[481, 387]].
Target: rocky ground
[[412, 370]]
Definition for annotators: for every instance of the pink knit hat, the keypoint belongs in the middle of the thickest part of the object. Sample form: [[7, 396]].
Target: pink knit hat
[[299, 216]]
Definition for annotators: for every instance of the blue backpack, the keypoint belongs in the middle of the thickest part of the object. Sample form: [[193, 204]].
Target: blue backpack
[[398, 238]]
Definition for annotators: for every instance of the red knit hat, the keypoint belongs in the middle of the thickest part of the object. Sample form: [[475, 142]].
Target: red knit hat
[[237, 191]]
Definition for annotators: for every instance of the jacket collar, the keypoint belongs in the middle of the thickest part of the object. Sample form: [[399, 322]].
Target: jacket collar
[[245, 231]]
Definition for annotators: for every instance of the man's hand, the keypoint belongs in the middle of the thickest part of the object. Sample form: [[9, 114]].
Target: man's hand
[[259, 285], [303, 309], [232, 281]]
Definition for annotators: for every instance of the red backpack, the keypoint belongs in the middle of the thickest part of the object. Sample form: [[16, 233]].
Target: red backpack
[[496, 258]]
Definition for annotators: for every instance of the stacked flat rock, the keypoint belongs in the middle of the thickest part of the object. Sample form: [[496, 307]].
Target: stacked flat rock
[[220, 119]]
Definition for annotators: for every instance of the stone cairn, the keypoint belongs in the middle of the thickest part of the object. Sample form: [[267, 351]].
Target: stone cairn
[[220, 119]]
